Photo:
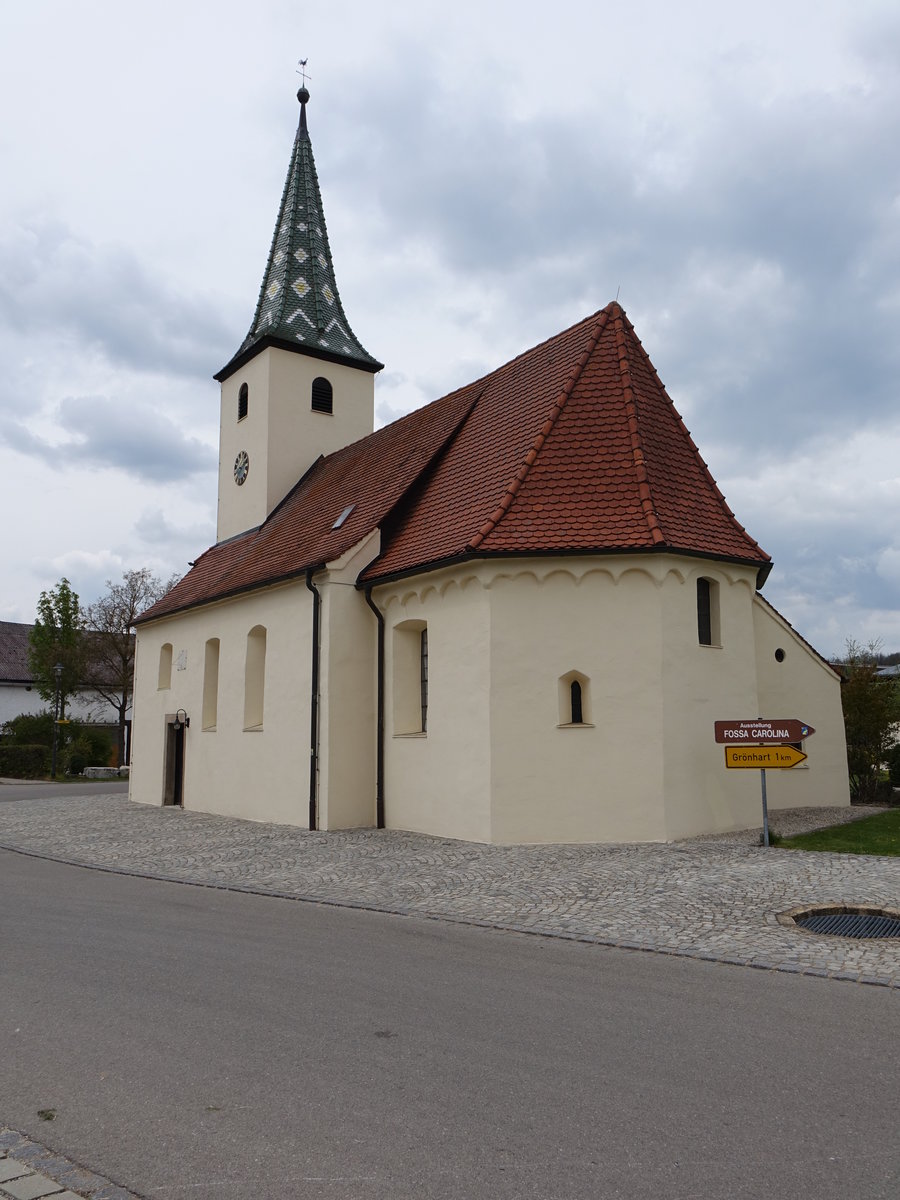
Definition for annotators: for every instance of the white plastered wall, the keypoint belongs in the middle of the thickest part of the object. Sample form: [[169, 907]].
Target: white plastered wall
[[552, 781], [806, 688], [499, 763], [439, 782], [260, 774], [348, 693], [281, 434], [701, 685]]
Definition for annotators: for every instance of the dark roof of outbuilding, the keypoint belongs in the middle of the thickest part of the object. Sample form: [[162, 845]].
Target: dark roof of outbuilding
[[14, 652], [572, 447]]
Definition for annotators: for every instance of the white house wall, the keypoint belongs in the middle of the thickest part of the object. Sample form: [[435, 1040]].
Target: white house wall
[[87, 706], [801, 685], [260, 774]]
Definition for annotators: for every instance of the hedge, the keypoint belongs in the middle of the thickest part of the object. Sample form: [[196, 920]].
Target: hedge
[[24, 762]]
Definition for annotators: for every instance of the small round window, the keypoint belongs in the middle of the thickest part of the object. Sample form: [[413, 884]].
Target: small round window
[[779, 655]]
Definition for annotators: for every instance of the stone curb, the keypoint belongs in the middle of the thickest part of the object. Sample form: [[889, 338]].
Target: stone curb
[[46, 1173], [760, 964]]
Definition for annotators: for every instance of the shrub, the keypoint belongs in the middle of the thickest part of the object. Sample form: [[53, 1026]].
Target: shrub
[[893, 765], [24, 762], [90, 747], [29, 729]]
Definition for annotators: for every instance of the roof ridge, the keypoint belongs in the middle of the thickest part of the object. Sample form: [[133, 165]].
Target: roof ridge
[[512, 488], [637, 445], [693, 445]]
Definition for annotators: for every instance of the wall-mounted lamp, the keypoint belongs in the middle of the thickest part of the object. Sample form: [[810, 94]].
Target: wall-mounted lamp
[[182, 720]]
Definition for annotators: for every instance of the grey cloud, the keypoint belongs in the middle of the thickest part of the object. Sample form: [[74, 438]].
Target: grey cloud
[[103, 434], [57, 284], [768, 238]]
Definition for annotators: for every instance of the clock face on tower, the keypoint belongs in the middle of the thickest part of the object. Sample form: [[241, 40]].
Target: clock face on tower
[[241, 467]]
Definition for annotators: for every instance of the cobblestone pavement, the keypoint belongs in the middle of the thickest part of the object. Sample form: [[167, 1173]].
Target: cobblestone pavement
[[715, 898], [29, 1171]]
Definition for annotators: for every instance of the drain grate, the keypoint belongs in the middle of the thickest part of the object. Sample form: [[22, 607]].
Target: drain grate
[[851, 924]]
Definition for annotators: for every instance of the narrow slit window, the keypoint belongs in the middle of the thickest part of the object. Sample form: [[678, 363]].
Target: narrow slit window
[[423, 678], [243, 401], [708, 626], [575, 696], [322, 395]]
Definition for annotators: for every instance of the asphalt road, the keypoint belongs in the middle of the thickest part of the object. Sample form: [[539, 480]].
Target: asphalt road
[[40, 789], [205, 1044]]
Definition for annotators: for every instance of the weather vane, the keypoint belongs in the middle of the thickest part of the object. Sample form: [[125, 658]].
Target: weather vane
[[302, 72]]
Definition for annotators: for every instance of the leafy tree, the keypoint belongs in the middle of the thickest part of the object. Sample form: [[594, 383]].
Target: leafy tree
[[57, 637], [110, 620], [871, 713]]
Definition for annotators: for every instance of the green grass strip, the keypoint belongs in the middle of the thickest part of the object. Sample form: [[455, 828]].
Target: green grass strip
[[879, 834]]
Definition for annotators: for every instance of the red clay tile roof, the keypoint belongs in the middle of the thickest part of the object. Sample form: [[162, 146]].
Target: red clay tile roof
[[574, 446]]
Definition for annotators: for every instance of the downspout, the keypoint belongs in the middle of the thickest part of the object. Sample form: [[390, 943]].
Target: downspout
[[314, 707], [379, 750]]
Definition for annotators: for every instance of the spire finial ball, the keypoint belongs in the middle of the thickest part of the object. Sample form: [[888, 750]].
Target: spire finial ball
[[303, 95]]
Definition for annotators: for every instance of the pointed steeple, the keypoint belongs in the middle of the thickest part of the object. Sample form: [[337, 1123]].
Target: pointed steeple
[[299, 307]]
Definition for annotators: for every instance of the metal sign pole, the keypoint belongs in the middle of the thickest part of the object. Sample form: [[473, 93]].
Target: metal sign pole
[[762, 776]]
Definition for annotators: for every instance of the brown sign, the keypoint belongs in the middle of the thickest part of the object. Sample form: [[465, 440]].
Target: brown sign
[[759, 732]]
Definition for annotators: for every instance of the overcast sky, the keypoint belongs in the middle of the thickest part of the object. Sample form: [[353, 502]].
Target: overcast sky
[[491, 173]]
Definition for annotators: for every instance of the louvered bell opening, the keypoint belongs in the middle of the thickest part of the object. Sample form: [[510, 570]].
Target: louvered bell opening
[[322, 396]]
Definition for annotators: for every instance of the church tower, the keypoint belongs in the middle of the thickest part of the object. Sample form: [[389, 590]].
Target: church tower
[[301, 384]]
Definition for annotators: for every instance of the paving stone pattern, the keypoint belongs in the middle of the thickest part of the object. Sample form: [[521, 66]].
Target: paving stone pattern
[[714, 898], [29, 1171]]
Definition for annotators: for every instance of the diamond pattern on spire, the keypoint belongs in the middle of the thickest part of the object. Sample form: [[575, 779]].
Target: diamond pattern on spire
[[301, 238]]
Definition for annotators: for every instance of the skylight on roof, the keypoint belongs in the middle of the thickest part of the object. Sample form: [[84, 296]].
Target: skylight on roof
[[343, 517]]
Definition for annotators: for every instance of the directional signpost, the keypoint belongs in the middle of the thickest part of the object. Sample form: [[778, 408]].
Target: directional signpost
[[758, 744]]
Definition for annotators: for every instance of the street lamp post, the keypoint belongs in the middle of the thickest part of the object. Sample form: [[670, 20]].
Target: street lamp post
[[57, 671]]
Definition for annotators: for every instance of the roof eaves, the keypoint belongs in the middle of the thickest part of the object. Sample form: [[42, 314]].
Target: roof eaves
[[367, 579]]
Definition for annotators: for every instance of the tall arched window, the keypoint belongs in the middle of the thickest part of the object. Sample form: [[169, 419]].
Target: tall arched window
[[243, 401], [410, 677], [165, 667], [211, 684], [322, 395], [255, 678]]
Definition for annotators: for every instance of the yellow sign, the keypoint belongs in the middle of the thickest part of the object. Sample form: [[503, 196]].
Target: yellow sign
[[762, 758]]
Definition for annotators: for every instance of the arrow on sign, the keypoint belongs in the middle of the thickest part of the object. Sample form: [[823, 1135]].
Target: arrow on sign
[[762, 758]]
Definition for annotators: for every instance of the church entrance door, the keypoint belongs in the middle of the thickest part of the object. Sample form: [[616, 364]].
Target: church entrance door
[[173, 792]]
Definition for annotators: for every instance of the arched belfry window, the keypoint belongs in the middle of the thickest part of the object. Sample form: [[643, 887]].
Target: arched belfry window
[[243, 401], [322, 395]]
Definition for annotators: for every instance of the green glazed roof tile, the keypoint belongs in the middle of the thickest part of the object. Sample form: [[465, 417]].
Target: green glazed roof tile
[[299, 303]]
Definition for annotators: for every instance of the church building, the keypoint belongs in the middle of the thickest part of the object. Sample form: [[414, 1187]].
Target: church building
[[513, 615]]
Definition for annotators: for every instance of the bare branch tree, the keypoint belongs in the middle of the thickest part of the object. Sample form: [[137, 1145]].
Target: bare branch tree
[[110, 622]]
